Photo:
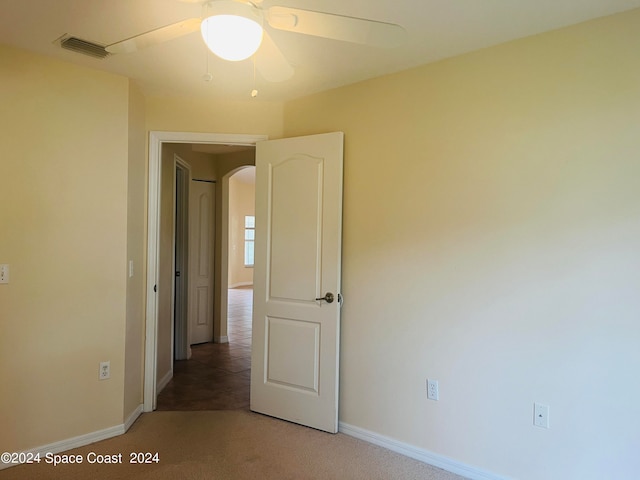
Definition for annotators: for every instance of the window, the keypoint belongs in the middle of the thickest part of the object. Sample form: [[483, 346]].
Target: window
[[249, 238]]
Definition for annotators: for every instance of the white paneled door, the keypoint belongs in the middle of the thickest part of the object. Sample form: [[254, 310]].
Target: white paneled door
[[296, 319], [201, 242]]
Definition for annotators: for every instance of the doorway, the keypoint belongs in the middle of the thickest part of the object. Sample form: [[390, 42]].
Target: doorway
[[216, 376], [156, 141], [284, 201]]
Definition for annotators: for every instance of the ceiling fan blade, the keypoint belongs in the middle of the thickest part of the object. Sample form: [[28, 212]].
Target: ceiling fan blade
[[153, 37], [271, 63], [337, 27]]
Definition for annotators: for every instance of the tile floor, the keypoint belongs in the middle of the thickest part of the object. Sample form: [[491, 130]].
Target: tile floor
[[217, 375]]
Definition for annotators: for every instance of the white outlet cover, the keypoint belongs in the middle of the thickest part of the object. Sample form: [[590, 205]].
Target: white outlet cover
[[432, 389], [105, 370]]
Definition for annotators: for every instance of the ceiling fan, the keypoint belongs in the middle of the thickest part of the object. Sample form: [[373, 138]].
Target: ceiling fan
[[234, 30]]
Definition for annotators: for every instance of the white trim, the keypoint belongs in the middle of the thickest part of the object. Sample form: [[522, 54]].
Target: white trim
[[181, 336], [165, 380], [222, 339], [241, 284], [156, 139], [132, 418], [75, 442], [83, 440], [419, 454], [153, 241]]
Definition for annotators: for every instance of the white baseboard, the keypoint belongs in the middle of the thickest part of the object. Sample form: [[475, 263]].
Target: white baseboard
[[223, 339], [133, 417], [419, 454], [163, 381], [83, 440], [75, 442], [240, 284]]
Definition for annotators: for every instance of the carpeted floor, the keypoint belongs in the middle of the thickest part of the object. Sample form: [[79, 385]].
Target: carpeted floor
[[233, 444]]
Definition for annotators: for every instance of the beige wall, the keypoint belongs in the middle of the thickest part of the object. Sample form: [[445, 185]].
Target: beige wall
[[178, 114], [136, 242], [63, 212], [241, 203], [491, 226]]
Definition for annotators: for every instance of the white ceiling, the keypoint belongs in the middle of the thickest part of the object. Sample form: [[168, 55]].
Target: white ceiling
[[437, 29]]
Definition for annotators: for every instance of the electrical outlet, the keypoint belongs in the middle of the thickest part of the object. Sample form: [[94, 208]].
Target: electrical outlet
[[432, 389], [4, 273], [541, 415], [105, 370]]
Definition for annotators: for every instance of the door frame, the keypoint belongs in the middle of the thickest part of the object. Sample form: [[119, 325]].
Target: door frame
[[156, 140], [181, 349]]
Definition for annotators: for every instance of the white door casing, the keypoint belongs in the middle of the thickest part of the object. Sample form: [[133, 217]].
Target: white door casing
[[295, 351], [201, 271], [180, 345]]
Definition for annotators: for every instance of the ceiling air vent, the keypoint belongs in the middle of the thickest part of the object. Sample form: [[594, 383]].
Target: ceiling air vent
[[84, 46]]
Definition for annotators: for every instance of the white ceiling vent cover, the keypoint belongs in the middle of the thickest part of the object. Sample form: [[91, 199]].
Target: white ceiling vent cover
[[85, 47]]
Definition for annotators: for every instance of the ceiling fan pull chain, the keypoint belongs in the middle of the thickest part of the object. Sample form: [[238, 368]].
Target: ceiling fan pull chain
[[254, 92], [207, 77]]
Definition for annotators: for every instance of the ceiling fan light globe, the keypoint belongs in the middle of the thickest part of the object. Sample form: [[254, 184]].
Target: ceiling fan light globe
[[231, 37]]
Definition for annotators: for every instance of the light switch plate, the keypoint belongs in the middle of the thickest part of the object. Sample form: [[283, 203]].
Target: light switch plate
[[541, 415], [4, 273]]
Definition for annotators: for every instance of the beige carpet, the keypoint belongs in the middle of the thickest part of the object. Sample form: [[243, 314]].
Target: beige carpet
[[236, 444]]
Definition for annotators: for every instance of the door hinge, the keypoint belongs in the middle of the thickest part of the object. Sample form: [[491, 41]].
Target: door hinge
[[155, 288]]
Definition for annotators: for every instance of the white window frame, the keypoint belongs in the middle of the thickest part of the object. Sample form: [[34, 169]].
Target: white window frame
[[252, 241]]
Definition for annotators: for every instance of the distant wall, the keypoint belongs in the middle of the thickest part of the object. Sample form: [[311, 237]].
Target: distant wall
[[241, 203]]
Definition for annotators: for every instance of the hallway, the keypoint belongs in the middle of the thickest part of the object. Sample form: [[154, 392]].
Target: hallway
[[217, 376]]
